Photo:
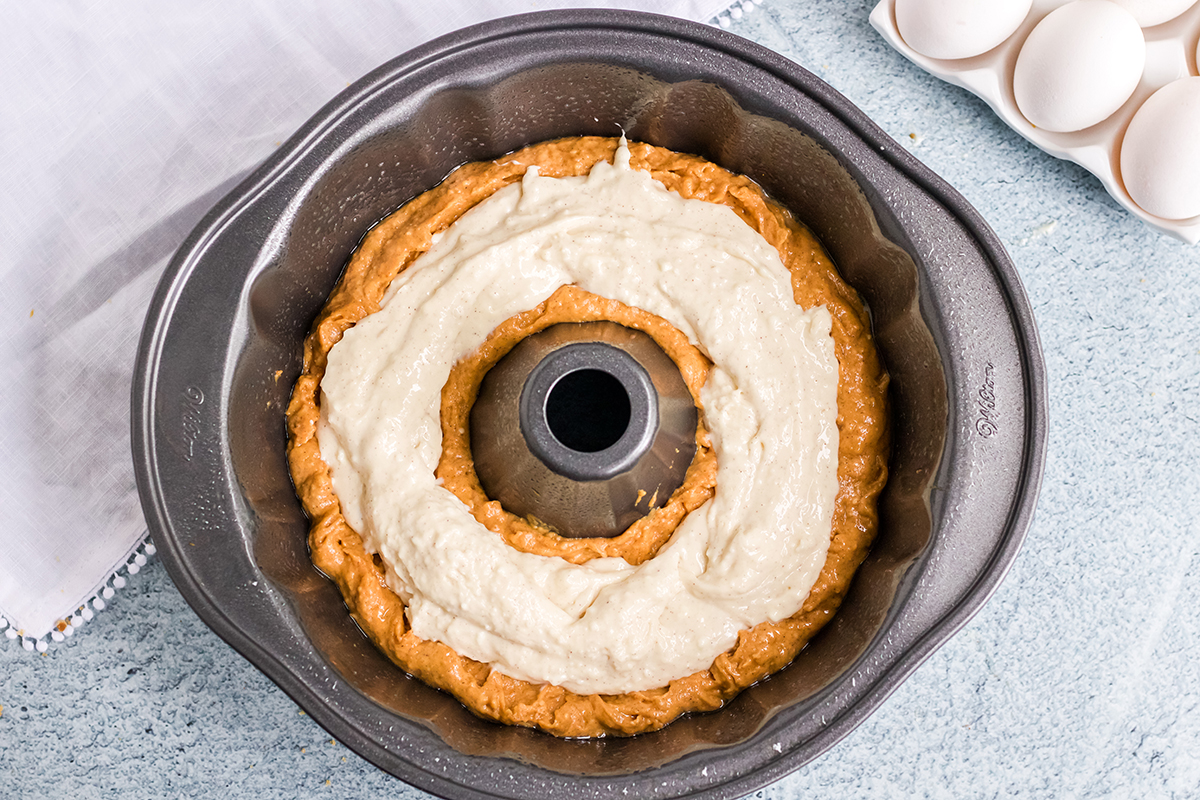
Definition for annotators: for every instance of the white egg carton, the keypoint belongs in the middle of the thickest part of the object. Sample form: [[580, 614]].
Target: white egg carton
[[1171, 54]]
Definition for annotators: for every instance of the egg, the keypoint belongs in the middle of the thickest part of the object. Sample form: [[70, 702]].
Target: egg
[[1155, 12], [958, 28], [1160, 155], [1078, 65]]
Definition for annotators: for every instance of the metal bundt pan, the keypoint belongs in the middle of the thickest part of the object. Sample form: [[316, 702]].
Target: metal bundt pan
[[221, 349]]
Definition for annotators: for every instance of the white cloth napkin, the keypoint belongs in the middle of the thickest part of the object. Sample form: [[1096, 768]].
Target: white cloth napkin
[[121, 123]]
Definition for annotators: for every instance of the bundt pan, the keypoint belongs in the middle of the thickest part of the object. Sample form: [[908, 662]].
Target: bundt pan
[[222, 347]]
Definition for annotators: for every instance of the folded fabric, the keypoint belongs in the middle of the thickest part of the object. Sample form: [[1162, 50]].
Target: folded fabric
[[123, 123]]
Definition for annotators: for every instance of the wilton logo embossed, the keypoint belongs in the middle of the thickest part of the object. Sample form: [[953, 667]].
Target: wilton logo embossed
[[985, 402], [190, 414]]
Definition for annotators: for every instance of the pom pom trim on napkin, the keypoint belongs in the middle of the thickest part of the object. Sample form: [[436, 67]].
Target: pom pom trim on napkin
[[98, 601], [105, 271], [735, 10]]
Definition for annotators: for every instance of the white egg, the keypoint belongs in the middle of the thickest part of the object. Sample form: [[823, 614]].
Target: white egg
[[1079, 65], [1160, 155], [958, 28], [1155, 12]]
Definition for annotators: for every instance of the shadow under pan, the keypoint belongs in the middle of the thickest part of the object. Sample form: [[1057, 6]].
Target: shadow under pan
[[222, 348]]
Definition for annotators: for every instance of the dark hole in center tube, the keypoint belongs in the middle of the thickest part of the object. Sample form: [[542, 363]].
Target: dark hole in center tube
[[588, 410]]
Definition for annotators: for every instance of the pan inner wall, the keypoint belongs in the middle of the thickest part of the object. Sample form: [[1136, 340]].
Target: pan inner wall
[[455, 125]]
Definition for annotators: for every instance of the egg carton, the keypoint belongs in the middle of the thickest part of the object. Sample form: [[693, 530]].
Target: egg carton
[[1170, 55]]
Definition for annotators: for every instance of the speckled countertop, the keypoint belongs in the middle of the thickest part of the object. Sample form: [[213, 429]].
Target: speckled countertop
[[1079, 679]]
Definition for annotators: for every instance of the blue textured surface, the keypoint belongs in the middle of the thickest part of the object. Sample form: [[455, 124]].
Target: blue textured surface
[[1080, 677]]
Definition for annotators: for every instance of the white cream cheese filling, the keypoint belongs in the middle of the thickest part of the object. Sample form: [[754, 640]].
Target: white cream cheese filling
[[749, 555]]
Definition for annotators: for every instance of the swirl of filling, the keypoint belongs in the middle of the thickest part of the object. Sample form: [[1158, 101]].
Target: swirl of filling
[[749, 555]]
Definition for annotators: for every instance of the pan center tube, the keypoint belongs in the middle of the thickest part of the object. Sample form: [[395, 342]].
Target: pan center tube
[[583, 428], [587, 410]]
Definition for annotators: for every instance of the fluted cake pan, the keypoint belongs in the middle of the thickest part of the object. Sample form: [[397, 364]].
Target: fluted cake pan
[[221, 349]]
